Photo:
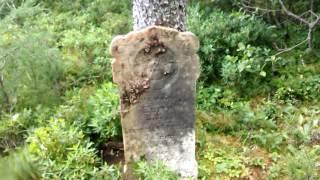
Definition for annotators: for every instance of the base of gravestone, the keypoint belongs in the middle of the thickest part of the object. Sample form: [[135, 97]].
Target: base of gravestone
[[128, 174], [156, 69]]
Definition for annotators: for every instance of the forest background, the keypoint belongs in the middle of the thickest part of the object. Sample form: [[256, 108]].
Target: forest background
[[258, 113]]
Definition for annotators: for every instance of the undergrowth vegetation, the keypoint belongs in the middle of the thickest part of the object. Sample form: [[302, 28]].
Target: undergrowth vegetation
[[258, 114]]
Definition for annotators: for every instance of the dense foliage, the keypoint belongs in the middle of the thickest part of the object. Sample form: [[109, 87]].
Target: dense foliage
[[258, 114]]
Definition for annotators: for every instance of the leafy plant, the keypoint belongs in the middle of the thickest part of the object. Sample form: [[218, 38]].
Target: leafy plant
[[153, 171], [31, 70], [302, 163], [219, 161], [221, 33], [215, 98], [19, 165], [62, 151], [272, 141], [250, 65], [105, 114], [14, 129]]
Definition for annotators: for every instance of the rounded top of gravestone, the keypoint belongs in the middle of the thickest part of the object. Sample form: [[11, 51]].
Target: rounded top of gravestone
[[153, 58], [187, 41]]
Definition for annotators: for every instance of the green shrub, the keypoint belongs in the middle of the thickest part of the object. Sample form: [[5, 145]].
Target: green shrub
[[153, 171], [18, 166], [85, 49], [14, 129], [301, 123], [75, 110], [18, 11], [240, 116], [270, 140], [221, 33], [249, 67], [105, 112], [93, 110], [302, 164], [299, 89], [215, 97], [31, 70], [221, 161], [264, 116], [106, 172], [62, 151]]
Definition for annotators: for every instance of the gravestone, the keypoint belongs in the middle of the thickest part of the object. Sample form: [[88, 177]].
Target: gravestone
[[156, 71]]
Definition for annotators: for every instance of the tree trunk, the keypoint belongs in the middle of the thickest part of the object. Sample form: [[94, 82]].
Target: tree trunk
[[169, 13]]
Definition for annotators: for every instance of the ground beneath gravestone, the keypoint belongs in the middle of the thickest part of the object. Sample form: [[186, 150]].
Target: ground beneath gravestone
[[112, 152]]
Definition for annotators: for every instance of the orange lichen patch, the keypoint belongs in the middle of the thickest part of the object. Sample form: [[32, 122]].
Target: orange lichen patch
[[131, 96], [138, 55]]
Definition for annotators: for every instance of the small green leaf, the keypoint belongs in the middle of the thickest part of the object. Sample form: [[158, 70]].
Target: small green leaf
[[221, 167], [263, 73], [241, 67]]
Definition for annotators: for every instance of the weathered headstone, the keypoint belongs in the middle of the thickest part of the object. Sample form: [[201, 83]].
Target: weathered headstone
[[156, 70]]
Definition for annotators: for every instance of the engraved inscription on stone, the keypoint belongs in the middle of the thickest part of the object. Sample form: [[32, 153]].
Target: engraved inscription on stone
[[156, 71]]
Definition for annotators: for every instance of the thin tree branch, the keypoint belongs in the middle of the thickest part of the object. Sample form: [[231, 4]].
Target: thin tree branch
[[314, 14], [258, 8], [314, 23], [291, 48], [292, 14], [310, 21]]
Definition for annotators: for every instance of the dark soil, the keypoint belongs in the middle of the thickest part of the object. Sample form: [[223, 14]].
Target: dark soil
[[113, 152]]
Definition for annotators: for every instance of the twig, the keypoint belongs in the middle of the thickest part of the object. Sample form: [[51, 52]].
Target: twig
[[291, 13], [258, 8], [313, 13], [311, 25], [291, 48]]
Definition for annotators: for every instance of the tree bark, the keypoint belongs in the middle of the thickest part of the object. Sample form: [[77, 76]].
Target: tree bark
[[169, 13]]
